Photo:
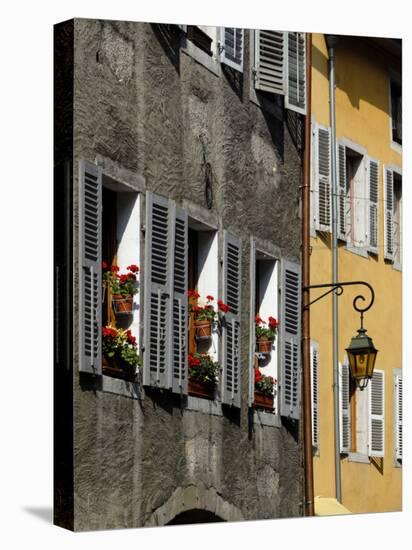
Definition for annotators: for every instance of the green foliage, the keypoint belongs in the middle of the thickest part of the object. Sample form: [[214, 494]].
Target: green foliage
[[203, 369]]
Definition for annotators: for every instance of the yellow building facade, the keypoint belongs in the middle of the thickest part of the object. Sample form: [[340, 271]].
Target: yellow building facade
[[369, 172]]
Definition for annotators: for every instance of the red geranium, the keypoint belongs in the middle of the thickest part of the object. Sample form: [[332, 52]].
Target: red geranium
[[114, 268], [104, 265], [109, 332], [130, 338], [209, 298], [133, 268], [273, 323], [259, 320], [258, 375], [222, 306], [193, 294], [193, 361]]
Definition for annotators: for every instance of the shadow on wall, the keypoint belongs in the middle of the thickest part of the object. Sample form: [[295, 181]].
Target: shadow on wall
[[195, 516], [169, 38]]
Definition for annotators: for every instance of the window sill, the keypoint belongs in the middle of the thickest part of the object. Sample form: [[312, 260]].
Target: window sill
[[359, 458], [397, 464], [209, 62], [397, 266], [267, 419], [360, 251], [203, 405], [121, 387], [395, 146]]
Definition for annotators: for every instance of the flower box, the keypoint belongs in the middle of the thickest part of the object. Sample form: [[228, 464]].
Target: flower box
[[263, 401], [203, 329], [264, 345], [200, 389], [118, 369], [122, 304]]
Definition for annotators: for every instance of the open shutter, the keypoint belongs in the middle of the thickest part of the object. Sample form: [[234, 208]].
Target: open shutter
[[344, 408], [373, 210], [290, 339], [252, 334], [314, 370], [398, 417], [324, 178], [231, 329], [270, 61], [342, 202], [376, 431], [90, 241], [232, 47], [296, 72], [388, 210], [180, 306], [157, 284]]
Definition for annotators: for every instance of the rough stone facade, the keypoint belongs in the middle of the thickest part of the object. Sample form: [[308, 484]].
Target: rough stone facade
[[150, 114]]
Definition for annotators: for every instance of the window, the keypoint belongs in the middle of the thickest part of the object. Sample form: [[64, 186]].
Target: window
[[280, 66], [393, 215], [362, 414], [396, 111]]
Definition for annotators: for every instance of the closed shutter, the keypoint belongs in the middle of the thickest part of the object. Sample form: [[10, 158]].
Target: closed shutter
[[388, 213], [344, 408], [373, 210], [157, 283], [398, 417], [314, 371], [290, 339], [90, 240], [252, 334], [342, 202], [314, 201], [231, 330], [376, 439], [296, 72], [232, 47], [180, 306], [270, 61], [324, 177]]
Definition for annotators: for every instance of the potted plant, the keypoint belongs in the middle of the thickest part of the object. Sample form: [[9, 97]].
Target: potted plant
[[120, 357], [265, 335], [122, 286], [204, 316], [264, 390], [203, 375]]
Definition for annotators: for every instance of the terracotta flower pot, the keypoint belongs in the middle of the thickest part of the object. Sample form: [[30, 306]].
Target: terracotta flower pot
[[264, 345], [203, 329], [122, 304], [200, 389], [263, 401]]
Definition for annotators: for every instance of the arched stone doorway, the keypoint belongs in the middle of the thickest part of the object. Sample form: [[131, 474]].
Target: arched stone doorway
[[195, 516]]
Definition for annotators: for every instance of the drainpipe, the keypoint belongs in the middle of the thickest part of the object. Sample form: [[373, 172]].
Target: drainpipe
[[306, 382], [331, 41]]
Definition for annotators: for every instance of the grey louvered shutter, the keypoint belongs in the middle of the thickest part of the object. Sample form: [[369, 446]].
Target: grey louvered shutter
[[314, 201], [373, 210], [388, 213], [398, 417], [324, 178], [90, 242], [290, 338], [180, 306], [376, 431], [157, 292], [295, 98], [314, 371], [344, 408], [232, 278], [232, 47], [342, 202], [270, 61], [252, 332]]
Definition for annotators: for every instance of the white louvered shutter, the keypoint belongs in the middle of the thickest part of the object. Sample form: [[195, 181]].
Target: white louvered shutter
[[295, 98], [270, 60], [314, 202], [232, 47], [376, 428], [342, 202], [344, 408], [398, 417], [388, 213], [180, 305], [231, 330], [157, 291], [290, 339], [314, 372], [324, 178], [90, 238], [252, 333], [373, 210]]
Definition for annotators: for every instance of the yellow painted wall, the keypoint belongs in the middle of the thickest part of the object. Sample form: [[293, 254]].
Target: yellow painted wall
[[362, 115]]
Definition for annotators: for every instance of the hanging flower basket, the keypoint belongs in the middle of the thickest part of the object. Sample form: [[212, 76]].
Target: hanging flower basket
[[264, 345], [201, 389], [263, 401], [203, 329], [122, 304]]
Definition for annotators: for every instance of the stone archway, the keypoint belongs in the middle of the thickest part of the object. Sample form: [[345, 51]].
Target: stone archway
[[196, 502]]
